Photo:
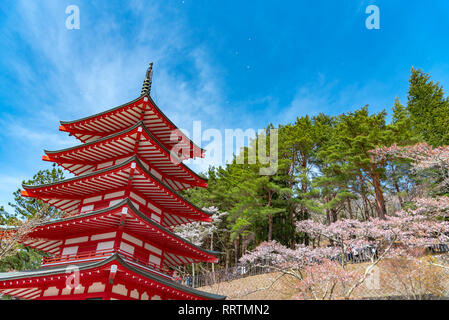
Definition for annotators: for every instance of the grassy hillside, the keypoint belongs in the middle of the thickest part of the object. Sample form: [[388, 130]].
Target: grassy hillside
[[407, 279]]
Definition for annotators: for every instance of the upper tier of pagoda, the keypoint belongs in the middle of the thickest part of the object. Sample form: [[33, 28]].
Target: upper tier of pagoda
[[122, 117], [119, 210], [116, 148]]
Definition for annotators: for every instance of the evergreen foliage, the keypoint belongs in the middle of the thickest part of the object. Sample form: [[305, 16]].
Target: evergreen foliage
[[27, 258], [325, 171]]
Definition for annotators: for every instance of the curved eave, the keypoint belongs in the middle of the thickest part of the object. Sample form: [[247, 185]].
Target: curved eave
[[138, 213], [127, 130], [175, 127], [130, 129], [125, 163], [127, 104], [170, 283], [48, 271]]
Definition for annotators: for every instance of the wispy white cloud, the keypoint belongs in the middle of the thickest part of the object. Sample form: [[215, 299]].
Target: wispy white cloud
[[9, 184], [197, 99], [69, 74], [38, 138], [101, 67]]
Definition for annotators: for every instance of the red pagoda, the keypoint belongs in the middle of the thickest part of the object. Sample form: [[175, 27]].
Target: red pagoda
[[116, 242]]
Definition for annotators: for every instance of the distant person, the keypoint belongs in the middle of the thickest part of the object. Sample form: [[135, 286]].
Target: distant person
[[188, 280], [176, 277], [243, 270], [350, 253], [373, 252]]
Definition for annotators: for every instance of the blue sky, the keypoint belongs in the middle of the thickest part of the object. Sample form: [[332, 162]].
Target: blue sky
[[228, 64]]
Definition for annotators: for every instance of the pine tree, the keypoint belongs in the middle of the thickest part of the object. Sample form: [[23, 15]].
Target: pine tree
[[398, 179], [28, 208], [355, 135], [428, 108]]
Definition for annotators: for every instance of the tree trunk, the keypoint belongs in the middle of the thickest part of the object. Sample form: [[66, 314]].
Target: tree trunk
[[291, 210], [380, 201], [398, 191], [228, 259], [244, 245], [193, 276], [349, 208], [304, 213], [228, 251], [365, 206], [270, 227], [334, 214], [211, 249], [328, 216], [236, 249], [291, 207], [270, 218], [240, 246]]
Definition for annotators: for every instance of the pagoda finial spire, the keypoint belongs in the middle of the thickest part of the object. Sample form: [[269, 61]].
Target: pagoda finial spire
[[147, 82]]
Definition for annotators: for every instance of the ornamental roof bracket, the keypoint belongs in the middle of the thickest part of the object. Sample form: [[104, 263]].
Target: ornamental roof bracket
[[147, 82]]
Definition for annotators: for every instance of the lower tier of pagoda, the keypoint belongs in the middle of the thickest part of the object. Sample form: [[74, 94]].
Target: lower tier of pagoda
[[111, 278], [97, 255], [121, 229]]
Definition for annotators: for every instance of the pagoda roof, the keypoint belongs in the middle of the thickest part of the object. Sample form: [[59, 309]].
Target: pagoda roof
[[84, 158], [68, 195], [180, 251], [7, 279], [116, 119]]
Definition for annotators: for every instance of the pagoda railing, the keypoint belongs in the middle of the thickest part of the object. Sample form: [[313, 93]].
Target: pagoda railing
[[100, 254]]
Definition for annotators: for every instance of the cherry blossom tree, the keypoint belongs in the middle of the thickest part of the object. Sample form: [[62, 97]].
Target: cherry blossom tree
[[16, 232], [405, 234], [198, 232], [316, 269], [422, 157]]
